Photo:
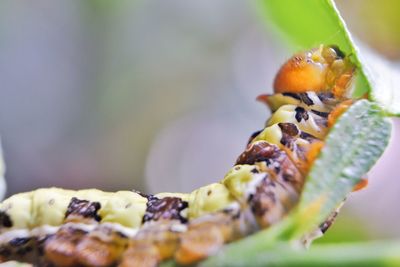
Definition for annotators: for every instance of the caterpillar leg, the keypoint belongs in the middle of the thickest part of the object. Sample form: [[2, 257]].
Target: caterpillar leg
[[205, 237], [60, 249], [155, 242], [102, 247], [141, 255]]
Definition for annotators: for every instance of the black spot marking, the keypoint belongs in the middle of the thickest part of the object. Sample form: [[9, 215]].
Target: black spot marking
[[276, 160], [289, 128], [287, 177], [277, 169], [250, 198], [289, 133], [292, 95], [320, 113], [257, 152], [339, 53], [325, 97], [168, 208], [309, 137], [121, 235], [5, 219], [301, 114], [19, 241], [254, 136], [306, 99], [84, 208]]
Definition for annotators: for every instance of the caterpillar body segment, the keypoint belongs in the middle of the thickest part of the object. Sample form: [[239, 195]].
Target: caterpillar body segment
[[55, 206], [205, 236], [322, 102], [312, 122], [208, 199], [57, 227], [289, 138]]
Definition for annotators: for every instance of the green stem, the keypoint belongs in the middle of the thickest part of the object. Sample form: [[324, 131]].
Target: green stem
[[352, 255]]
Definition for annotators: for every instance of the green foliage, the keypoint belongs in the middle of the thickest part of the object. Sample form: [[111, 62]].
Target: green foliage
[[384, 79], [307, 23], [375, 254], [352, 147], [346, 229]]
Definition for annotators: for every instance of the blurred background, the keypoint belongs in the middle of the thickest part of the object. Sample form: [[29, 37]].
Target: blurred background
[[160, 96]]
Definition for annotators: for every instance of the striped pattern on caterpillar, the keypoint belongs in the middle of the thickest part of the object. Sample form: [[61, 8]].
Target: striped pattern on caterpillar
[[57, 227]]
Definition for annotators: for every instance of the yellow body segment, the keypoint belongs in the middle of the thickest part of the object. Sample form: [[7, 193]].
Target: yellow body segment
[[50, 206], [271, 134], [311, 125], [241, 180], [19, 208], [208, 199], [124, 207], [310, 101]]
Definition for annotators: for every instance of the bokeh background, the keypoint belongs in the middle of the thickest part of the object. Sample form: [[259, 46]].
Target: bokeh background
[[160, 96]]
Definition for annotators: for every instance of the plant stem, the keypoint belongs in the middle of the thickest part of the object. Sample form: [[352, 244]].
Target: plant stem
[[351, 255]]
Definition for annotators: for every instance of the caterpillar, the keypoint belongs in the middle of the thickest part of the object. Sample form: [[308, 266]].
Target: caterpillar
[[58, 227]]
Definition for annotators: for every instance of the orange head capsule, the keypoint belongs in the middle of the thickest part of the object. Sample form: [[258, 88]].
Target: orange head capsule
[[321, 69]]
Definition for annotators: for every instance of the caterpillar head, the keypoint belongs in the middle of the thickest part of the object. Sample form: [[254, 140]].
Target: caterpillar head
[[325, 68]]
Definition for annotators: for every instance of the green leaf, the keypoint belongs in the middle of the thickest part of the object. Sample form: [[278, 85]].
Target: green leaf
[[344, 255], [308, 23], [384, 78], [354, 144]]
